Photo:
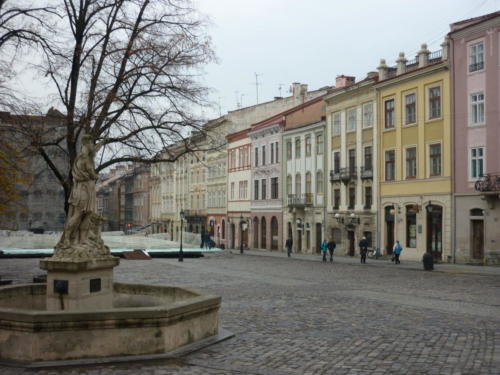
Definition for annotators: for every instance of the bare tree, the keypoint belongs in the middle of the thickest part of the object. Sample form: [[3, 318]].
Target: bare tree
[[127, 73]]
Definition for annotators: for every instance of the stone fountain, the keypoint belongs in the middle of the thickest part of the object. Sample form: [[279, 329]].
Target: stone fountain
[[82, 315]]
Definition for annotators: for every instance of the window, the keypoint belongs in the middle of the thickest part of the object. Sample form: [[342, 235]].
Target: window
[[232, 190], [274, 188], [272, 153], [319, 144], [434, 102], [390, 164], [263, 155], [256, 190], [368, 197], [477, 109], [477, 162], [319, 182], [411, 226], [256, 156], [336, 162], [289, 150], [352, 159], [308, 183], [336, 119], [263, 188], [232, 159], [336, 199], [289, 184], [367, 115], [476, 57], [352, 198], [435, 159], [308, 145], [351, 119], [389, 113], [368, 158], [298, 184], [411, 162], [410, 109], [277, 153], [297, 148]]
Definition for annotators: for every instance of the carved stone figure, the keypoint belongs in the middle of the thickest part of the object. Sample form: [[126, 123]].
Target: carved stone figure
[[82, 232]]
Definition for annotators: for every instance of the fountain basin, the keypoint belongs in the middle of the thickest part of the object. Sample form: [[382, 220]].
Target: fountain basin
[[145, 319]]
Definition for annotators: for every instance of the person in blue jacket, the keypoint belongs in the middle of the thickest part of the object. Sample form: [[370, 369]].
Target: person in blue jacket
[[396, 250], [324, 248]]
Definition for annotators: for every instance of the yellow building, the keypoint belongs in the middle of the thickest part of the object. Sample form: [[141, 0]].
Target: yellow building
[[414, 145]]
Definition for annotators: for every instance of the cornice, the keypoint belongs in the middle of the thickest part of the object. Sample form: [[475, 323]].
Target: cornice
[[414, 74]]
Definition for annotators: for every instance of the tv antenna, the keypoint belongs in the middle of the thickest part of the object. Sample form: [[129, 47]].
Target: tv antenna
[[280, 86], [257, 86]]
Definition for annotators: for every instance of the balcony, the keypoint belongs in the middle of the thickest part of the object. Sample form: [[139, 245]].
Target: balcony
[[475, 67], [348, 174], [300, 200], [366, 173], [195, 215], [335, 175], [489, 187]]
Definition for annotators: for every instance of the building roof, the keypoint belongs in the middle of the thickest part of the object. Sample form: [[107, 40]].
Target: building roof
[[460, 25]]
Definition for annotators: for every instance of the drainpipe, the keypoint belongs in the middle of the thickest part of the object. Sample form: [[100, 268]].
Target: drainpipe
[[452, 174]]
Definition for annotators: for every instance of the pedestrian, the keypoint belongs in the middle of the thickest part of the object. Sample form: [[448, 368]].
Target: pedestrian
[[363, 249], [331, 248], [324, 248], [396, 250], [289, 244]]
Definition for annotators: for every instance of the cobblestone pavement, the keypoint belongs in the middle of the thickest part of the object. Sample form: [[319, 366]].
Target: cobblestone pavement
[[299, 316]]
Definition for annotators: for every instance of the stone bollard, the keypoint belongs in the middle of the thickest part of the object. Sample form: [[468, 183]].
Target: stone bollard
[[428, 261]]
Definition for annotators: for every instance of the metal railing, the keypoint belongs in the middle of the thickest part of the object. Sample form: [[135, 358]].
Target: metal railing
[[335, 175], [475, 67], [488, 183], [300, 200], [366, 172], [348, 174], [436, 55]]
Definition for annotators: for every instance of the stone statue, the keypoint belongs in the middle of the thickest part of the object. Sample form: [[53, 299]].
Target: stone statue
[[82, 232]]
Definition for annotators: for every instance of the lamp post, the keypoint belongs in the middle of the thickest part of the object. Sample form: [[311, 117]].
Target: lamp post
[[181, 254], [241, 234]]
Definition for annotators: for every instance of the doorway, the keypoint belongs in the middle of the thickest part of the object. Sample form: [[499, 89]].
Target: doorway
[[274, 233], [233, 235], [435, 230], [319, 234], [299, 241], [389, 227], [477, 239], [351, 241]]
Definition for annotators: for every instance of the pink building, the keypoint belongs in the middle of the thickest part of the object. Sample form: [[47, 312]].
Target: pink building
[[475, 68]]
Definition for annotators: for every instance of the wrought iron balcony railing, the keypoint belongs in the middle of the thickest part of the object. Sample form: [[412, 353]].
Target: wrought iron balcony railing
[[490, 182], [300, 200], [366, 173], [475, 67], [348, 174], [335, 175]]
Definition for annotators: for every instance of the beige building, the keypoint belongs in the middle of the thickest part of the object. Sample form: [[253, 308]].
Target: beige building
[[352, 136]]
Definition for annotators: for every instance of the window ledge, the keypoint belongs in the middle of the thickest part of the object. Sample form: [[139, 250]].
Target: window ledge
[[475, 126], [410, 125], [389, 130], [431, 120]]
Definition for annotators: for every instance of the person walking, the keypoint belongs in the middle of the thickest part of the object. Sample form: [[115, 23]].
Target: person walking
[[324, 248], [289, 244], [396, 250], [331, 248], [363, 249]]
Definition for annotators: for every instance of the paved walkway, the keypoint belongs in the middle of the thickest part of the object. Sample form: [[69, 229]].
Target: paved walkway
[[405, 264], [300, 316]]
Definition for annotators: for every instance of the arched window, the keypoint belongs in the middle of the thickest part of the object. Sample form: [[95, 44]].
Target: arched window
[[319, 182], [476, 212], [308, 182], [223, 225], [289, 184], [298, 184], [256, 232], [274, 233]]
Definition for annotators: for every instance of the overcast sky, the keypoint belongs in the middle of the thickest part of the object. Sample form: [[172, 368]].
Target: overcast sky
[[313, 41]]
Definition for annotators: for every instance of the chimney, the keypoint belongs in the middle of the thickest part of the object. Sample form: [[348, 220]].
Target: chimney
[[296, 89], [446, 47], [423, 56], [401, 63], [344, 81], [382, 70]]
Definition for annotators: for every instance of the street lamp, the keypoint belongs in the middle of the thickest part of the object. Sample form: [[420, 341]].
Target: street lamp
[[181, 254], [339, 218]]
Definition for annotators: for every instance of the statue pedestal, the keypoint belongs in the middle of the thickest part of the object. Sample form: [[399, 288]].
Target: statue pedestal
[[79, 285]]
